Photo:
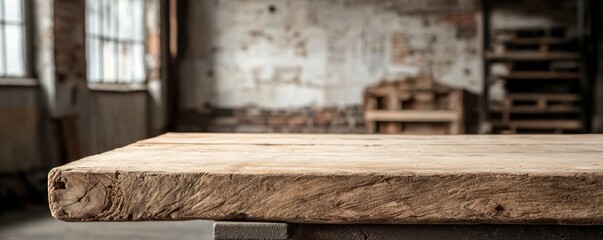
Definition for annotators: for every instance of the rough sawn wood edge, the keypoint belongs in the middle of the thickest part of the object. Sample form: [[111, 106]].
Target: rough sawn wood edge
[[404, 199]]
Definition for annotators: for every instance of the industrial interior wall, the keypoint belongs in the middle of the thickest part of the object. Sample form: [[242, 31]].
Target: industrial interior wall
[[24, 123], [30, 129], [19, 129], [106, 119], [313, 53], [27, 146], [32, 136]]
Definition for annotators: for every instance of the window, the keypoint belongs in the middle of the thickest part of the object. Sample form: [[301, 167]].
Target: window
[[115, 41], [12, 39]]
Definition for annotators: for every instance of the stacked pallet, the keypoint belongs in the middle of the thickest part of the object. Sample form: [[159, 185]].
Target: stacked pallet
[[541, 81], [413, 106]]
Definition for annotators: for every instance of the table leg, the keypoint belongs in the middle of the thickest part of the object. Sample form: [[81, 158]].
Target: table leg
[[284, 231]]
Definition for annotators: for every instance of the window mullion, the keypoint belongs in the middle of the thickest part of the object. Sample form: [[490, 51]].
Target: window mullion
[[4, 42], [101, 50], [122, 33], [130, 46], [116, 36]]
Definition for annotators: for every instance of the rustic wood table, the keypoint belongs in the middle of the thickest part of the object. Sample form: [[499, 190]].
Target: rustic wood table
[[281, 186]]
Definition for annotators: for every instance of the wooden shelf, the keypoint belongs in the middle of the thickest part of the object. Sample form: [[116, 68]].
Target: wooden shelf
[[535, 109], [537, 40], [532, 56], [541, 75], [563, 97], [562, 124]]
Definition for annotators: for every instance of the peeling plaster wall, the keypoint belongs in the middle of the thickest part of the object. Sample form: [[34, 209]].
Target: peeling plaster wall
[[296, 53]]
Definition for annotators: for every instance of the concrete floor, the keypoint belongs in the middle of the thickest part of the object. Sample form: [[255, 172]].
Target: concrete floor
[[37, 223]]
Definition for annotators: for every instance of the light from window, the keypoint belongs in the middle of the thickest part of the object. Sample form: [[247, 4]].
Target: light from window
[[12, 40], [115, 41]]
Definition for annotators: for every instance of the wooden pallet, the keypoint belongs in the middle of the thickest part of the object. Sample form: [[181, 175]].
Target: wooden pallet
[[539, 126], [541, 100], [533, 32], [541, 75], [415, 106], [538, 104], [541, 83], [541, 40], [532, 56]]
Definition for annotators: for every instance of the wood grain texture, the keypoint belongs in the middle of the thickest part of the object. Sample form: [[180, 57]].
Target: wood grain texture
[[338, 179]]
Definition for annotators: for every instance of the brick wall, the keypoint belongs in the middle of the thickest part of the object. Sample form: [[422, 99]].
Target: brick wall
[[257, 120], [70, 48], [295, 58], [300, 53], [69, 57]]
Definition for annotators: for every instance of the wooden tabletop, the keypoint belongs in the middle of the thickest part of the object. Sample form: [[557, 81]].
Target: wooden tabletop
[[338, 179]]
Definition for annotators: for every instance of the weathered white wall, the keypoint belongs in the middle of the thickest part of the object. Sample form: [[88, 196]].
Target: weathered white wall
[[322, 53]]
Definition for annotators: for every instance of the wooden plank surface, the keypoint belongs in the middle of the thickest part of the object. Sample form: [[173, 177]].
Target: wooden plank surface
[[338, 179]]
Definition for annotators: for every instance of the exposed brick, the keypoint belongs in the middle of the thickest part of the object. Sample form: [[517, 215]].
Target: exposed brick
[[277, 121], [297, 121], [69, 49], [323, 117], [304, 120]]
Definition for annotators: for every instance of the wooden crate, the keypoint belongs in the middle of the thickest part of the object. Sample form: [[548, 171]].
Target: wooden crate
[[413, 106]]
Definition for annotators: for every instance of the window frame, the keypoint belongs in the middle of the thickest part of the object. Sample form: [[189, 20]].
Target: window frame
[[29, 77], [116, 84]]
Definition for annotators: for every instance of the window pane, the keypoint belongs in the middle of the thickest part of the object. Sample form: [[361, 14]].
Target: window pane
[[138, 8], [138, 65], [125, 63], [13, 10], [93, 16], [118, 53], [2, 55], [14, 51], [125, 19], [109, 71], [93, 55], [109, 18]]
